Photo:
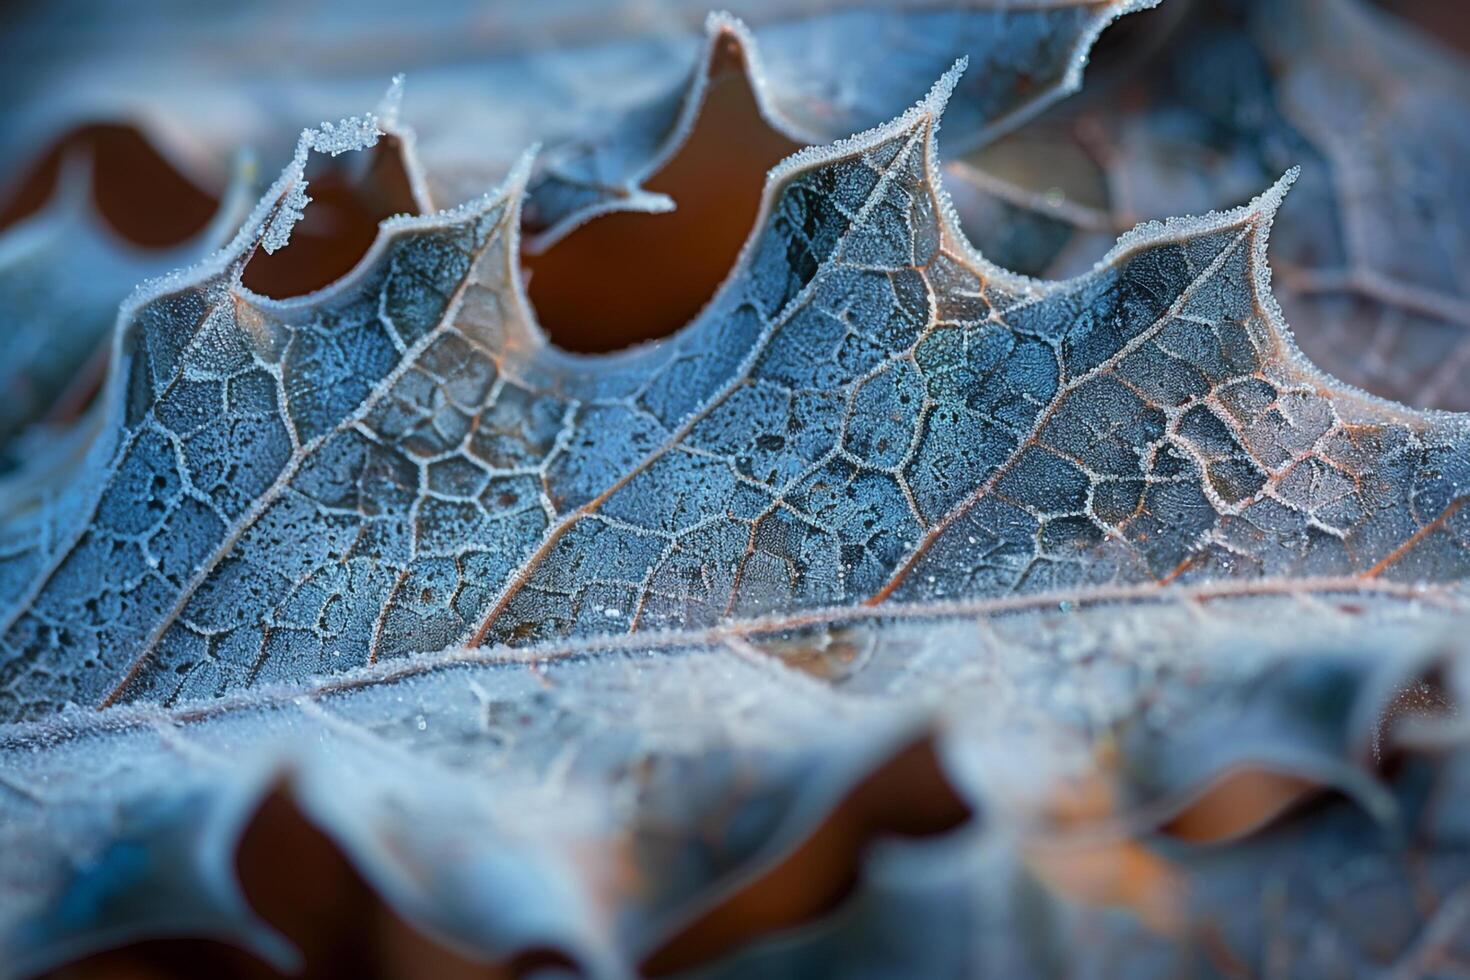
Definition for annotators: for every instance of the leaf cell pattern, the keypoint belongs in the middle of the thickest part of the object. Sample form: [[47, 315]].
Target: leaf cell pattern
[[557, 649], [867, 413]]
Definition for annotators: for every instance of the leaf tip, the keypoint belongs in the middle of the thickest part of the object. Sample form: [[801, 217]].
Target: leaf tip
[[718, 22], [1270, 200], [1262, 213], [941, 90], [927, 111], [515, 182], [347, 134]]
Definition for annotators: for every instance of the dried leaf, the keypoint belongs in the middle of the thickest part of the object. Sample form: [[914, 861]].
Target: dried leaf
[[1330, 890]]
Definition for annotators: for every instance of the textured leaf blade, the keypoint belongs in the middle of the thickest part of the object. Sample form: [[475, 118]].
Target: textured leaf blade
[[63, 272], [880, 487], [816, 103], [867, 413], [524, 774]]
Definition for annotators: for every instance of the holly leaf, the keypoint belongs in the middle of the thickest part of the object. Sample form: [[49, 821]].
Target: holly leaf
[[1247, 866], [637, 93], [623, 802], [867, 414], [808, 89]]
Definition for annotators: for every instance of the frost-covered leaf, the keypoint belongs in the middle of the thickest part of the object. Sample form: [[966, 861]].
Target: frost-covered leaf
[[1371, 267], [603, 798], [866, 414], [609, 90], [1024, 58], [1109, 886], [567, 652]]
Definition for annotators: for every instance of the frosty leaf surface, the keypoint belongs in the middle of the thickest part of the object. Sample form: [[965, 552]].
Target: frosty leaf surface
[[1022, 59], [1368, 108], [1347, 884], [594, 799], [236, 392], [567, 652], [867, 414]]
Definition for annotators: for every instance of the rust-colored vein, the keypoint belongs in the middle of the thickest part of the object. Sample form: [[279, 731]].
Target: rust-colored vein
[[937, 529], [527, 568], [261, 504], [377, 641], [1398, 553], [1181, 568]]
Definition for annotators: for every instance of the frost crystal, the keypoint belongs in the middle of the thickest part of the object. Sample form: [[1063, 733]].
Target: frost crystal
[[353, 133]]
